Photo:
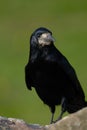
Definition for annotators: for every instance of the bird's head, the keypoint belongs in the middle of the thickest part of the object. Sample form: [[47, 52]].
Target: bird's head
[[41, 37]]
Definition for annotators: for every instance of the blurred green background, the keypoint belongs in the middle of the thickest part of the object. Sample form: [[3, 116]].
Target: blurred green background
[[18, 19]]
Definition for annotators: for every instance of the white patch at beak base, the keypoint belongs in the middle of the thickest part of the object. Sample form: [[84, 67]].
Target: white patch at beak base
[[45, 39]]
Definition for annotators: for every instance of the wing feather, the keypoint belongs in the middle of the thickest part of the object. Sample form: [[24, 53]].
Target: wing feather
[[28, 76]]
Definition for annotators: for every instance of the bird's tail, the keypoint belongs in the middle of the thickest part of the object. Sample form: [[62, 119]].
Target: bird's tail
[[76, 105], [85, 103]]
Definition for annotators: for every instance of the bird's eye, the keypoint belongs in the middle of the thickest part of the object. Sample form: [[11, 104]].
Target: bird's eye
[[38, 35]]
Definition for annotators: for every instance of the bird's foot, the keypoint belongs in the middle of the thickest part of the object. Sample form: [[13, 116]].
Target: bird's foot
[[52, 122]]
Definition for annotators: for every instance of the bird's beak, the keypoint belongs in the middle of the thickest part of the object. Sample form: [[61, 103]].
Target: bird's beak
[[48, 37], [51, 38]]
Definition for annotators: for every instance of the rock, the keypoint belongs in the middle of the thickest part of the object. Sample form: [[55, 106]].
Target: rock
[[76, 121]]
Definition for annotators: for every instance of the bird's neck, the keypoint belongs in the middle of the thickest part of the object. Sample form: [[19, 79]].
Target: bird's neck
[[39, 53]]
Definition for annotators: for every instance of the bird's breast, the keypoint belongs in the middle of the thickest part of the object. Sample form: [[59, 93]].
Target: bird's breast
[[47, 76]]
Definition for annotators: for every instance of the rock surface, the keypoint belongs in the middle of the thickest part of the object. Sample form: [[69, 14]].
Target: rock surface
[[76, 121]]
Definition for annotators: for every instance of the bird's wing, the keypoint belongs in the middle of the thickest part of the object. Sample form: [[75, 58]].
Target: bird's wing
[[27, 76], [70, 72]]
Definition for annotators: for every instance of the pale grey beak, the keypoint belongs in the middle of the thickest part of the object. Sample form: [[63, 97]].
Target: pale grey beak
[[48, 37]]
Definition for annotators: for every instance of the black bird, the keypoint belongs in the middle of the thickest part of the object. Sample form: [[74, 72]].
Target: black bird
[[52, 76]]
